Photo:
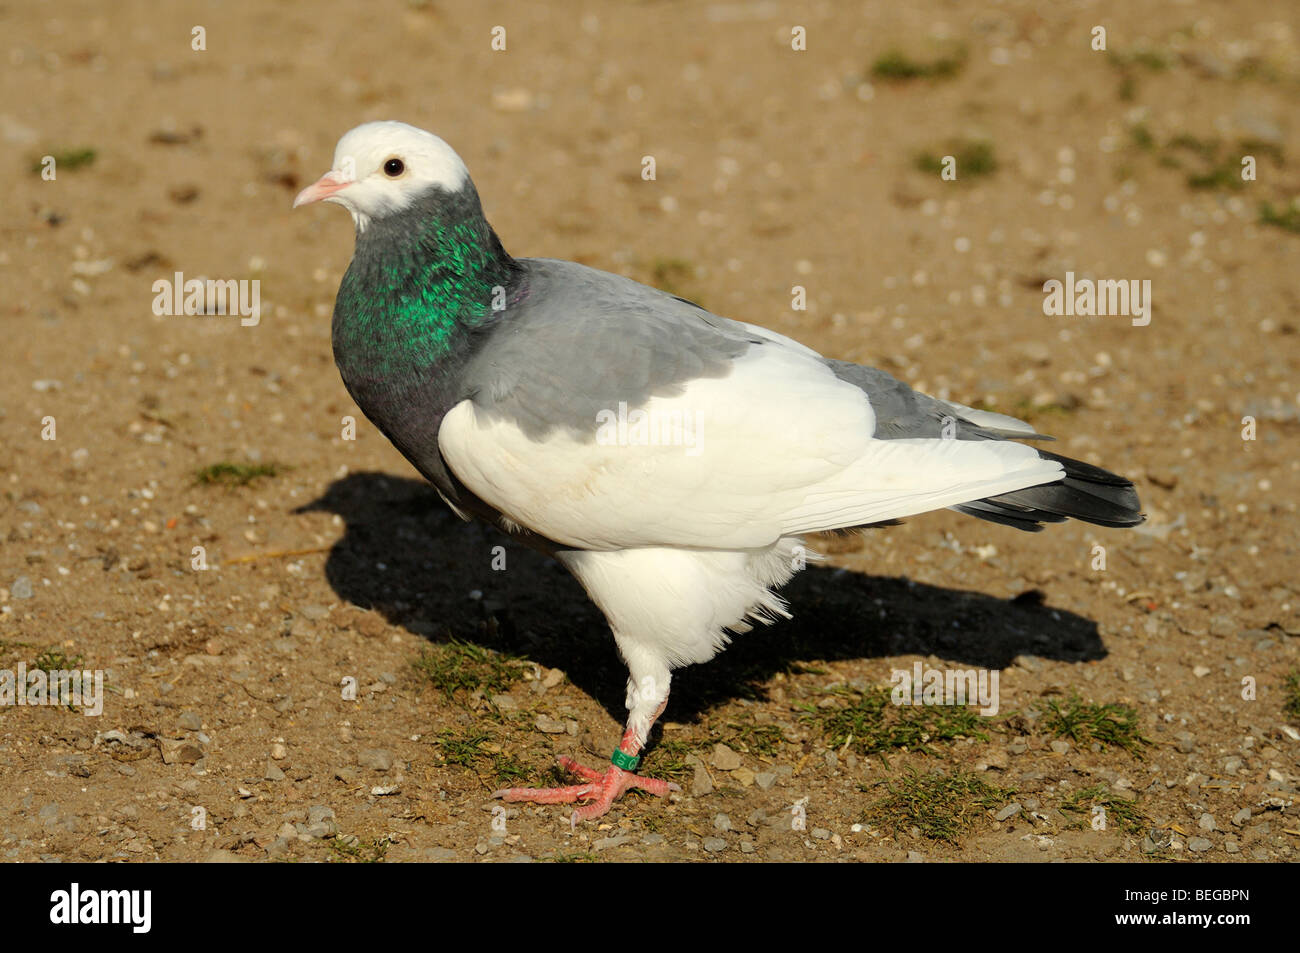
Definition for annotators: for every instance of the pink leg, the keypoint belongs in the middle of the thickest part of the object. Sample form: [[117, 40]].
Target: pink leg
[[602, 788]]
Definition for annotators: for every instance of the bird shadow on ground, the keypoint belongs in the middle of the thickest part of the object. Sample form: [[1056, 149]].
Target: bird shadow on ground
[[406, 556]]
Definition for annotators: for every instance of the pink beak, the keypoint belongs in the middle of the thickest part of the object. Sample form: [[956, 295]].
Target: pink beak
[[328, 184]]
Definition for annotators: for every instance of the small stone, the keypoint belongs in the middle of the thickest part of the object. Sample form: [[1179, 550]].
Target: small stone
[[821, 833], [190, 721], [744, 776], [1165, 479], [996, 759], [505, 702], [915, 857], [22, 588], [385, 790], [1199, 845], [1206, 822], [724, 759], [714, 845], [378, 759], [605, 843], [279, 752], [747, 846], [721, 823], [1186, 742], [319, 813], [765, 780], [1241, 817], [652, 840], [1231, 846], [702, 784], [549, 725], [273, 772], [1011, 810], [320, 821], [1060, 746], [179, 752]]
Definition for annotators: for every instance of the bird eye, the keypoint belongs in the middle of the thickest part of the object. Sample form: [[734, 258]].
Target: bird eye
[[393, 168]]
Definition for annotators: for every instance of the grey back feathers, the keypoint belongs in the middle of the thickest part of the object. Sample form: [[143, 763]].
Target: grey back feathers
[[580, 341]]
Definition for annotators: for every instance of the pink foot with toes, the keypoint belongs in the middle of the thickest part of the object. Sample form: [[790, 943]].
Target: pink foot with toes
[[603, 788]]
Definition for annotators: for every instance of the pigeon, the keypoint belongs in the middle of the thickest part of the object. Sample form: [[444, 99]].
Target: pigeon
[[671, 459]]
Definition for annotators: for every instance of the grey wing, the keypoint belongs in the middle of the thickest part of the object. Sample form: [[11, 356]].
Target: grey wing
[[579, 341], [902, 412]]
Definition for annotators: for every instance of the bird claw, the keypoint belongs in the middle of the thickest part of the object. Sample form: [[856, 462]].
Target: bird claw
[[602, 789]]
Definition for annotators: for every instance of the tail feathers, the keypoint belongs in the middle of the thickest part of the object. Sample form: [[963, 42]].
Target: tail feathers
[[1086, 493]]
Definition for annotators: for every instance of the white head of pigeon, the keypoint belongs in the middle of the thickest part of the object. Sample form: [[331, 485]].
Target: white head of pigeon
[[382, 167]]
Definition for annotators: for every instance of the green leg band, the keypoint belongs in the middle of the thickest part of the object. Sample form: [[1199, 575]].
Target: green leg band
[[625, 761]]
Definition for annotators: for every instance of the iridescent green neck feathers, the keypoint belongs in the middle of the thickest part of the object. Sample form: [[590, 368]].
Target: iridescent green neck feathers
[[421, 280]]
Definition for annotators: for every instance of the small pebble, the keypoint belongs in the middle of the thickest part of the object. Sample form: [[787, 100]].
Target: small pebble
[[724, 759], [549, 725], [702, 784]]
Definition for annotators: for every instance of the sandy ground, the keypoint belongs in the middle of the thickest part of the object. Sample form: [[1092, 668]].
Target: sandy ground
[[224, 733]]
